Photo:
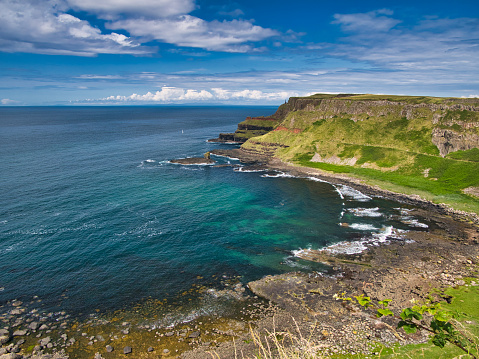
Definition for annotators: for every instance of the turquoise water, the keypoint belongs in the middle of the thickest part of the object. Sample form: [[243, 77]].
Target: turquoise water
[[91, 207]]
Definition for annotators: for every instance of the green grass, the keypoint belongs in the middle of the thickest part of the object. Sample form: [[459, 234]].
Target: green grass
[[453, 175], [392, 98], [262, 123], [469, 155], [391, 145], [465, 301]]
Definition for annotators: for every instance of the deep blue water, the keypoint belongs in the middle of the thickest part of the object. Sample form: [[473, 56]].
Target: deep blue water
[[91, 207]]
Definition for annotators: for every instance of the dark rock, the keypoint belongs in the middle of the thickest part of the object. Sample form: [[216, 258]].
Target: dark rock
[[4, 339], [150, 349], [127, 350], [33, 325], [100, 338], [43, 342], [194, 335], [19, 333], [11, 356], [194, 161]]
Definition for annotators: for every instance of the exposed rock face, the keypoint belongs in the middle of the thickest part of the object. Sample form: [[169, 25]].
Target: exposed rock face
[[454, 122], [251, 127], [448, 141], [340, 104]]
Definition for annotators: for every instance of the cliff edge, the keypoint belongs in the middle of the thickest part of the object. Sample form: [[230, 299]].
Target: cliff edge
[[426, 146]]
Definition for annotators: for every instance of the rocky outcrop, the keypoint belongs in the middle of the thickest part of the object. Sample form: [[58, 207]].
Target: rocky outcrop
[[250, 127], [448, 141]]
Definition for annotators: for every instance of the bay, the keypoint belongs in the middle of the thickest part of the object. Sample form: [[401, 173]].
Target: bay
[[93, 215]]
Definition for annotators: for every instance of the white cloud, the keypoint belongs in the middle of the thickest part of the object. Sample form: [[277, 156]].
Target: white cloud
[[174, 95], [99, 77], [371, 22], [144, 8], [191, 31], [441, 47], [42, 27], [7, 101], [45, 27]]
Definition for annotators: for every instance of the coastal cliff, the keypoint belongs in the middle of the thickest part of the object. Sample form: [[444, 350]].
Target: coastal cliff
[[426, 146], [250, 127]]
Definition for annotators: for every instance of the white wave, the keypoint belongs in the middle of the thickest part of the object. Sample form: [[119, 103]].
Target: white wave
[[363, 227], [231, 158], [294, 264], [150, 160], [347, 247], [337, 190], [347, 191], [366, 212], [382, 236], [246, 170], [315, 179], [355, 247], [278, 175], [414, 223]]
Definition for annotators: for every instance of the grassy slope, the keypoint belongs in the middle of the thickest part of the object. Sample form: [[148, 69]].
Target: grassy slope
[[390, 150], [464, 301]]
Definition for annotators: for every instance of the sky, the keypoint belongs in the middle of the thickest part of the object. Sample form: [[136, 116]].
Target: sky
[[243, 52]]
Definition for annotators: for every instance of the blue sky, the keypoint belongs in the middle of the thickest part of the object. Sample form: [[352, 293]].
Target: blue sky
[[141, 52]]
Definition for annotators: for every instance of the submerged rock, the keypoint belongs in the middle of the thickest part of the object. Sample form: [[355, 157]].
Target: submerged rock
[[194, 161]]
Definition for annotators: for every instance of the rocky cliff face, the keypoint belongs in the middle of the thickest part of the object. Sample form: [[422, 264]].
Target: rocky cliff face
[[448, 141], [250, 127], [455, 122]]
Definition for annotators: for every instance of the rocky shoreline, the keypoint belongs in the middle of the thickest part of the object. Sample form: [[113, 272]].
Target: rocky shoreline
[[402, 270], [293, 305], [271, 163]]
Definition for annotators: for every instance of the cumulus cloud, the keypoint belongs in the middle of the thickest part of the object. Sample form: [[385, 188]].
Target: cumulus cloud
[[42, 27], [191, 31], [7, 101], [46, 27], [108, 9], [174, 95]]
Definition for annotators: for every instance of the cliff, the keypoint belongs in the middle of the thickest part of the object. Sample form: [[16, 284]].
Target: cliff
[[250, 127], [423, 145]]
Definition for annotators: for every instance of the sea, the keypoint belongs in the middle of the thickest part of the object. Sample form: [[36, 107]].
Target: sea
[[94, 217]]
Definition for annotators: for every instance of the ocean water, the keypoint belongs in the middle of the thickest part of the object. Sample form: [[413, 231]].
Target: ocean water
[[93, 216]]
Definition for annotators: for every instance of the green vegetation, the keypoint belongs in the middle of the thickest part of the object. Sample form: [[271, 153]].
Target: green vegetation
[[440, 320], [469, 155], [384, 140], [392, 98]]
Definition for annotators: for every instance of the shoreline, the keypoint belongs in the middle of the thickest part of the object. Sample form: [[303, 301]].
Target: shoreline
[[292, 302], [271, 163]]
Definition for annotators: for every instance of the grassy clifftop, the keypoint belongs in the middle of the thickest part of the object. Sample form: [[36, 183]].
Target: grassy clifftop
[[416, 145]]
